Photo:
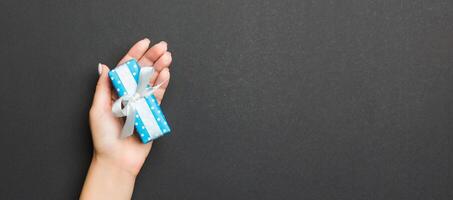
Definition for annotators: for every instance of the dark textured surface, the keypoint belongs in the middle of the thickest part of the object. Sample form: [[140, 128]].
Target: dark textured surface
[[268, 99]]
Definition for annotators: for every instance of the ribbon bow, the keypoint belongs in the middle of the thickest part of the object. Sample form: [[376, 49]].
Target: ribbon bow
[[125, 105]]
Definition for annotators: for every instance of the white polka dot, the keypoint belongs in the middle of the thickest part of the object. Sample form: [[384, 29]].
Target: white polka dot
[[158, 111], [136, 116], [165, 123], [134, 73], [152, 107], [113, 78], [136, 124], [142, 135], [135, 65], [164, 130], [113, 70], [119, 82], [152, 100], [143, 127], [118, 89], [158, 119], [149, 139]]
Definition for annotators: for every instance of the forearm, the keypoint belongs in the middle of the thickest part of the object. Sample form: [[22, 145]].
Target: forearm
[[107, 181]]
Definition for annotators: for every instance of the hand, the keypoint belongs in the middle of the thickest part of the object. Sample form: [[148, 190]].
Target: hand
[[113, 156]]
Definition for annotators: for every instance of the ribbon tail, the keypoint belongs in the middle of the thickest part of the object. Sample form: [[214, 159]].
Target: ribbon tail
[[128, 128], [159, 85], [150, 91], [145, 76], [116, 108]]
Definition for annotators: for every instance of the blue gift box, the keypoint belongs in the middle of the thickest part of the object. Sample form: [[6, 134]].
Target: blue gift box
[[150, 121]]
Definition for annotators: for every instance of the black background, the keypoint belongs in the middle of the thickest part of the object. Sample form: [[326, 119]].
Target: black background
[[316, 99]]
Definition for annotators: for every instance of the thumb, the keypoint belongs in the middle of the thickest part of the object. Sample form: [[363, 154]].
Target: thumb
[[102, 96]]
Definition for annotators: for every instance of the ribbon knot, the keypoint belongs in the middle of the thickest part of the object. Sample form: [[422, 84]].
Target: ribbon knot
[[137, 96], [125, 105]]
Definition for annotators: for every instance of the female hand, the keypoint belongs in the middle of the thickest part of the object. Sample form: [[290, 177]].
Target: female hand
[[116, 162]]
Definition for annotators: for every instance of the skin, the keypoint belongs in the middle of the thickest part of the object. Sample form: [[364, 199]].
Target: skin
[[116, 162]]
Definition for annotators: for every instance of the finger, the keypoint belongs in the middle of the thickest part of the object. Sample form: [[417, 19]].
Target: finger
[[163, 62], [136, 51], [102, 96], [153, 78], [153, 53], [164, 78]]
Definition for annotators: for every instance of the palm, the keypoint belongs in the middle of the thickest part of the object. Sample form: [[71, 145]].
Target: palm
[[130, 153]]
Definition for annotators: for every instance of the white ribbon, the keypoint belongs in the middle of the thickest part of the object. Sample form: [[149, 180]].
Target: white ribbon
[[125, 105]]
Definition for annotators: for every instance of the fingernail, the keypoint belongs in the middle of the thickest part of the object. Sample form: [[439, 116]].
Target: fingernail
[[146, 39], [163, 42], [100, 68]]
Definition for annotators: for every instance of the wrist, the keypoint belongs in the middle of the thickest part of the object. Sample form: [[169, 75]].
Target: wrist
[[105, 180], [111, 165]]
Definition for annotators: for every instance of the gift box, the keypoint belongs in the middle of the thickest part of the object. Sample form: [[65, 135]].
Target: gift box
[[149, 120]]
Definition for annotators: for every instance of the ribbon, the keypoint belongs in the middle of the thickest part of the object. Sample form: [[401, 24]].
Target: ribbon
[[125, 105]]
